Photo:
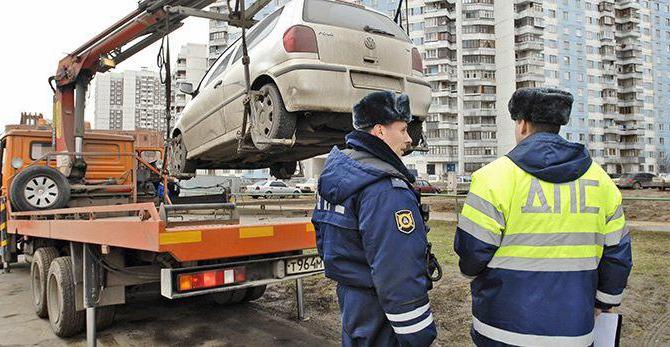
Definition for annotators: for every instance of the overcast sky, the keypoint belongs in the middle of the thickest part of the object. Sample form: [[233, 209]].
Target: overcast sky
[[34, 40]]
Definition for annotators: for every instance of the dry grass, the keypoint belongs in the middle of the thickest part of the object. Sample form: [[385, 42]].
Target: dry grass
[[645, 308]]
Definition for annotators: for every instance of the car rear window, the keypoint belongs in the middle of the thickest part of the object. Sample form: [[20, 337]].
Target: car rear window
[[349, 16]]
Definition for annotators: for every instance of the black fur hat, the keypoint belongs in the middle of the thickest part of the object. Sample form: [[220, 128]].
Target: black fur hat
[[382, 107], [541, 105]]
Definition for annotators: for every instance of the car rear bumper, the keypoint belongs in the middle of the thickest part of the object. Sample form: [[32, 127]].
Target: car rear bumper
[[308, 85]]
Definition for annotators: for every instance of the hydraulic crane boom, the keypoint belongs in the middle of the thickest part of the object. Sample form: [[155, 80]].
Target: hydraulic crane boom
[[139, 29]]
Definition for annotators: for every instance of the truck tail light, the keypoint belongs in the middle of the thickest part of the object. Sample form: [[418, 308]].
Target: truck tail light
[[417, 64], [211, 279], [300, 38]]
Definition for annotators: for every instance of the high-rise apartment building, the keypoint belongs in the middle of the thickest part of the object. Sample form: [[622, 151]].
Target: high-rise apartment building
[[129, 100], [191, 67], [612, 55]]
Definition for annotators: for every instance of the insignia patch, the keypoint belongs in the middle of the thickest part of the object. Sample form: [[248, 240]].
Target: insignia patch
[[405, 221]]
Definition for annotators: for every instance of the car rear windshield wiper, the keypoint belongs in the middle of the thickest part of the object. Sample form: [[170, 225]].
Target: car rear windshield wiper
[[377, 31]]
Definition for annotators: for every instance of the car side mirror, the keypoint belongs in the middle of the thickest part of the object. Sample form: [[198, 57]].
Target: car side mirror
[[186, 88]]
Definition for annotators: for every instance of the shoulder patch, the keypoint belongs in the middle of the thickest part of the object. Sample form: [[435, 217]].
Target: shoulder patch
[[405, 221], [398, 183]]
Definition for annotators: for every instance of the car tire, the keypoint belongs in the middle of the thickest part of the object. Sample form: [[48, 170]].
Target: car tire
[[283, 171], [415, 131], [254, 293], [39, 270], [268, 195], [65, 320], [296, 194], [39, 188], [272, 120], [637, 185], [177, 162]]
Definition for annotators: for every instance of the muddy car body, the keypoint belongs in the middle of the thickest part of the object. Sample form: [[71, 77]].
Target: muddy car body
[[311, 60]]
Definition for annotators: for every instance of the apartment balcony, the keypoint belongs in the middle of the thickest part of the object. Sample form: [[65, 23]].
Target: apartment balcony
[[479, 51], [532, 12], [479, 82], [529, 29], [631, 89], [441, 12], [529, 2], [480, 127], [630, 103], [631, 145], [529, 46], [478, 112], [537, 76], [530, 62], [218, 42], [611, 100], [622, 5], [441, 76], [442, 109], [624, 118], [632, 132], [632, 33], [444, 92], [478, 97], [631, 18]]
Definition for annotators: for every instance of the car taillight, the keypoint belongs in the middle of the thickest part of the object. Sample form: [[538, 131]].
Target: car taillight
[[300, 38], [211, 279], [417, 64], [258, 188]]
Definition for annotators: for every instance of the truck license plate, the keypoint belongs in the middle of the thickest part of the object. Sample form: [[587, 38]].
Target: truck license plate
[[301, 265]]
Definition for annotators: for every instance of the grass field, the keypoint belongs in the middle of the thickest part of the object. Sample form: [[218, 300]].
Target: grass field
[[646, 307]]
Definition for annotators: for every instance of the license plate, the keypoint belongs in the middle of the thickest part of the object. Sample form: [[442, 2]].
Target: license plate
[[301, 265]]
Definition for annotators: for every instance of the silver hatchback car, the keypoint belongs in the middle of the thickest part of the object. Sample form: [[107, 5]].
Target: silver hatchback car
[[311, 60]]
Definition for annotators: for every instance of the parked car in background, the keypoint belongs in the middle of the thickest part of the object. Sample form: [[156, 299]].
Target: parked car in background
[[615, 177], [310, 61], [272, 189], [639, 180], [308, 186], [425, 187]]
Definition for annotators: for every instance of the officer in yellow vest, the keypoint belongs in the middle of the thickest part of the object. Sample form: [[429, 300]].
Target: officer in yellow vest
[[542, 234]]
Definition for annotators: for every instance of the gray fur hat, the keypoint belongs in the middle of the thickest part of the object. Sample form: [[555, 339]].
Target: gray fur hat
[[383, 107], [541, 105]]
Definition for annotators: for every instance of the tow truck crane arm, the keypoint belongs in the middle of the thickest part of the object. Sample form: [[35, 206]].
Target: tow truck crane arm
[[145, 25]]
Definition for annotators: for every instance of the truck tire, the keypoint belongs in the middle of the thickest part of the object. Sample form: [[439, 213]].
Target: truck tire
[[283, 171], [222, 298], [39, 188], [104, 317], [65, 320], [254, 293], [39, 270], [177, 163], [272, 120]]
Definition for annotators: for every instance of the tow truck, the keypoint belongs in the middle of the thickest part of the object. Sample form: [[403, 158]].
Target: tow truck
[[81, 205]]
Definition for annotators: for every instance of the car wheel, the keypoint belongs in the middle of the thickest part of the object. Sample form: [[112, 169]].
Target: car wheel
[[272, 120], [296, 194], [283, 171], [268, 195], [177, 163], [40, 188], [637, 185], [415, 131]]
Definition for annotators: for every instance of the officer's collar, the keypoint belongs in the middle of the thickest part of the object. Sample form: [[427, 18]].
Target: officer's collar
[[363, 141]]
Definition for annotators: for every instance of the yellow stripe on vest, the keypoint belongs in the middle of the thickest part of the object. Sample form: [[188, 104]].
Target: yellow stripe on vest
[[180, 237], [251, 232], [548, 252]]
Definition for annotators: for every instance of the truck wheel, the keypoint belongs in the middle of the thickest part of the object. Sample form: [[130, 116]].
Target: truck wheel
[[283, 171], [272, 120], [40, 188], [238, 295], [65, 320], [104, 317], [177, 163], [39, 269], [222, 298], [254, 293]]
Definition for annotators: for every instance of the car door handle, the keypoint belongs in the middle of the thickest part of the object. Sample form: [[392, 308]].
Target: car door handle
[[218, 84]]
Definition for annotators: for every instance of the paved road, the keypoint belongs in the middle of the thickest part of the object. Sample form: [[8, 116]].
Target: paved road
[[149, 320]]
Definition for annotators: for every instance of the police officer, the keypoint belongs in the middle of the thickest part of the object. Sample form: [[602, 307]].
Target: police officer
[[370, 233], [542, 234]]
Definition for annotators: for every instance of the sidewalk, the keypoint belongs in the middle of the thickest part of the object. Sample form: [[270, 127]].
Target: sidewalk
[[636, 225]]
